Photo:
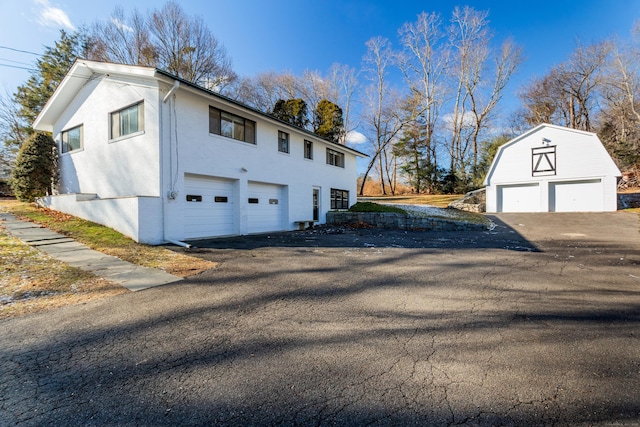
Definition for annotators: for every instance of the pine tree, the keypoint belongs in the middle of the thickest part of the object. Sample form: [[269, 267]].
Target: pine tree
[[47, 75], [328, 121], [34, 174], [293, 111]]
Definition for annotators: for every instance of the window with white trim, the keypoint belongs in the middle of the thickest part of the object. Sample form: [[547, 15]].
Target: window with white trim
[[127, 121], [71, 139]]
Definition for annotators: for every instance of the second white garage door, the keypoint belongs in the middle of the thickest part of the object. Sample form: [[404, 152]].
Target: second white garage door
[[576, 196], [519, 198], [209, 210], [265, 207]]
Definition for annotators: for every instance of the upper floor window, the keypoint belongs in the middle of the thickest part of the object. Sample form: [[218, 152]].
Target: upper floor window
[[283, 142], [232, 126], [308, 149], [335, 158], [127, 121], [72, 139]]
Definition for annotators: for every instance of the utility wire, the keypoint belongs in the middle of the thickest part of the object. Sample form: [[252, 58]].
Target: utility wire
[[15, 66], [21, 51]]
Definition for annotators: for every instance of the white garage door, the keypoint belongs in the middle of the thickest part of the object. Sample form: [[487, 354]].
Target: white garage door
[[519, 198], [576, 196], [265, 207], [209, 207]]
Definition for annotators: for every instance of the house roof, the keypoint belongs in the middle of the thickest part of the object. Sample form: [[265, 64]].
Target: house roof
[[541, 126], [84, 70]]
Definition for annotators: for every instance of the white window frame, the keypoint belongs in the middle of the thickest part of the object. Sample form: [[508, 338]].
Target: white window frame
[[116, 122], [64, 137]]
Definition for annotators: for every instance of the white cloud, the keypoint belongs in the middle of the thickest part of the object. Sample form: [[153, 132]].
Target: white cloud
[[121, 25], [355, 138], [50, 16]]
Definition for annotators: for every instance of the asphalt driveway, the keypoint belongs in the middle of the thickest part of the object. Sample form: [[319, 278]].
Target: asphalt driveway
[[534, 322]]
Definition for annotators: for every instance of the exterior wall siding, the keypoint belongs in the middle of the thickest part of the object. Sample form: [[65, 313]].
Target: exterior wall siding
[[127, 166], [205, 154], [137, 217]]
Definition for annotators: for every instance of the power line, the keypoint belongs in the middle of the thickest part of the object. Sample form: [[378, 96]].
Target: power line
[[21, 51], [15, 66], [15, 62]]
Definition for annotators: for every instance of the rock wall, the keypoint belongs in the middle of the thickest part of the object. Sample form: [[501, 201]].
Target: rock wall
[[628, 200], [400, 221], [473, 201]]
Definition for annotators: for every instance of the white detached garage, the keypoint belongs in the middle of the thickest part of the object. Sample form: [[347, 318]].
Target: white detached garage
[[552, 169]]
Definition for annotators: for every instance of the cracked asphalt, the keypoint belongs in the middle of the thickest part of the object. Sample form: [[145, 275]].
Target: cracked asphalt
[[536, 322]]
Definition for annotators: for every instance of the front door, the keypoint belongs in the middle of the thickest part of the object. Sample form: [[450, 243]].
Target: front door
[[316, 204]]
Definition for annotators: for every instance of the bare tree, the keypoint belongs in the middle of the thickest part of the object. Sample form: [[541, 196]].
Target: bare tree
[[381, 114], [123, 40], [484, 102], [344, 84], [166, 38], [424, 62], [12, 130], [569, 94]]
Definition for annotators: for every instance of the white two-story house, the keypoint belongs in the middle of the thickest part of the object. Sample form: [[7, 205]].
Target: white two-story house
[[160, 159]]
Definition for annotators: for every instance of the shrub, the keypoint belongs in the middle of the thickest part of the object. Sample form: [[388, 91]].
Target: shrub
[[35, 169]]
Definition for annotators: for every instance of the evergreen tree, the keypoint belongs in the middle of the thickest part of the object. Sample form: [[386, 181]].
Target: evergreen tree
[[328, 121], [34, 174], [293, 111], [49, 72]]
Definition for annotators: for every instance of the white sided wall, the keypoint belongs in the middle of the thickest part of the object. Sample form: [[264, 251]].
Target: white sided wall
[[137, 217], [111, 168], [580, 156], [197, 152]]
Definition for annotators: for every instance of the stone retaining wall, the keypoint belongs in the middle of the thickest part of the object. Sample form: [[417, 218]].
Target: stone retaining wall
[[400, 221], [628, 200]]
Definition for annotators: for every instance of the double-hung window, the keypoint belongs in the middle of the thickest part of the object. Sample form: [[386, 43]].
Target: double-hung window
[[335, 158], [71, 139], [283, 142], [339, 199], [127, 121], [308, 149], [230, 125]]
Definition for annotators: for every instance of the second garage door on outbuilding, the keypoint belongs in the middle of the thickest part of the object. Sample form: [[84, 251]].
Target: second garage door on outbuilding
[[552, 169]]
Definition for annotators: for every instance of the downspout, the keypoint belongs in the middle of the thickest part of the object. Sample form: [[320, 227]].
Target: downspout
[[166, 98]]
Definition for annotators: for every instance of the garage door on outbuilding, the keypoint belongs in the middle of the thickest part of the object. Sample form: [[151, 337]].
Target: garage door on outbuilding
[[576, 196], [519, 198], [209, 208], [552, 169]]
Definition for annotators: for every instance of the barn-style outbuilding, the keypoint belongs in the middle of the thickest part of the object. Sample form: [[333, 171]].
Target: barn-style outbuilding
[[552, 169]]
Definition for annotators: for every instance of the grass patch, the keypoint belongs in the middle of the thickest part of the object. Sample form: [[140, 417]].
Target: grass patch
[[438, 200], [375, 207], [108, 241], [32, 281]]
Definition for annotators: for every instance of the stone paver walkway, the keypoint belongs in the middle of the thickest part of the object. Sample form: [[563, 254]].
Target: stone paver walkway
[[67, 250]]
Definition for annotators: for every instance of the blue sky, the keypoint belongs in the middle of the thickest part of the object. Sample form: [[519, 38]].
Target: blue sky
[[296, 35]]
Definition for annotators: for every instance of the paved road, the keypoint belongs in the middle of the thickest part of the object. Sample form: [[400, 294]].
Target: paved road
[[534, 322]]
